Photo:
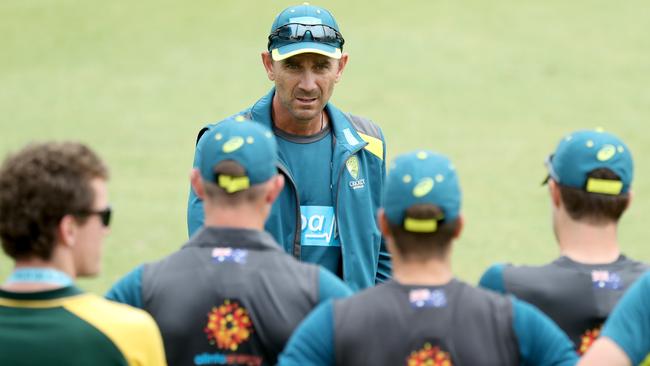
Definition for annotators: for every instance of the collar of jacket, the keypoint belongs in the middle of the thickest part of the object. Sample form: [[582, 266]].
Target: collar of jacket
[[345, 135], [215, 236]]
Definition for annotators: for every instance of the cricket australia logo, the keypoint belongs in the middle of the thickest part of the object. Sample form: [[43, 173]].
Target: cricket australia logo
[[353, 168]]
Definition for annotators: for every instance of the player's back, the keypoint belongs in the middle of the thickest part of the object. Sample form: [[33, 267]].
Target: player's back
[[410, 324], [228, 296], [577, 296], [67, 327]]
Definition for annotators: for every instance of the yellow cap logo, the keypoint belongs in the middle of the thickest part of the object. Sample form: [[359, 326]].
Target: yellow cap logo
[[353, 166], [606, 152], [233, 144], [423, 187]]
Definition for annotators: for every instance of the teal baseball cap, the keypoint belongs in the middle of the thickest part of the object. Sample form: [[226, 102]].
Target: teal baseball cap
[[247, 143], [305, 29], [581, 152], [421, 177]]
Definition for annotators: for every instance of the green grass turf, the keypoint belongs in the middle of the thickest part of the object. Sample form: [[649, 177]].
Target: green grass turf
[[494, 84]]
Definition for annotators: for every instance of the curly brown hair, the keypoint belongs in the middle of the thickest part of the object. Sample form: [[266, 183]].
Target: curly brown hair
[[39, 185]]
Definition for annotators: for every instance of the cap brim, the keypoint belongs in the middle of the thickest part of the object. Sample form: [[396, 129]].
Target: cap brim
[[290, 50]]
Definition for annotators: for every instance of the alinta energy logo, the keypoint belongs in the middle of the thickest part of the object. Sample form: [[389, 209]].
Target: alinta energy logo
[[429, 356], [587, 339], [229, 325]]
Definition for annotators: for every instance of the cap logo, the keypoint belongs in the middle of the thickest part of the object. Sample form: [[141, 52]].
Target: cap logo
[[306, 20], [423, 187], [606, 153], [353, 166], [233, 144]]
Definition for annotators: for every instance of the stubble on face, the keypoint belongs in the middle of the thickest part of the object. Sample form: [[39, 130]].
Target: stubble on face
[[304, 84]]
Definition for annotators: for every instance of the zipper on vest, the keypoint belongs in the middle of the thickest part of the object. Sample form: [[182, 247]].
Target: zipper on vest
[[296, 235], [336, 202]]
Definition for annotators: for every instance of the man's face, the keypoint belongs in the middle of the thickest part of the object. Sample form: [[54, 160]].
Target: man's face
[[304, 83], [90, 235]]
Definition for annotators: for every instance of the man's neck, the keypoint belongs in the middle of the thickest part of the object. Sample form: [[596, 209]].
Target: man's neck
[[432, 272], [588, 243], [54, 264], [286, 122], [235, 218]]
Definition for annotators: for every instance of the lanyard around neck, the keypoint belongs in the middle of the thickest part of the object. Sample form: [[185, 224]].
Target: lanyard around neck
[[39, 275]]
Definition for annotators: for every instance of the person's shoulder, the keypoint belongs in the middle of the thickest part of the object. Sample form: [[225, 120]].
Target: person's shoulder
[[208, 126], [364, 125], [492, 278], [119, 315], [634, 265]]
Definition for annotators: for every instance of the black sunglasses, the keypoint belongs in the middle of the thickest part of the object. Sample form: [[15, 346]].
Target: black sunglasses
[[296, 32], [104, 215]]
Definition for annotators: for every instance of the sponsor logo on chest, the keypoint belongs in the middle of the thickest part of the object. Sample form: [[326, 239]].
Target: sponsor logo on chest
[[318, 226]]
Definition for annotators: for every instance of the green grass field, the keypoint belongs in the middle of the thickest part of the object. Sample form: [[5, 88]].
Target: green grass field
[[493, 84]]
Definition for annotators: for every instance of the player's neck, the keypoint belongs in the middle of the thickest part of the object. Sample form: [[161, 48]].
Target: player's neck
[[57, 263], [431, 272], [588, 243], [286, 122], [238, 218]]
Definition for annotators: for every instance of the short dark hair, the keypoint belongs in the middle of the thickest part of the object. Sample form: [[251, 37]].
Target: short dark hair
[[39, 185], [596, 208], [424, 245], [220, 197]]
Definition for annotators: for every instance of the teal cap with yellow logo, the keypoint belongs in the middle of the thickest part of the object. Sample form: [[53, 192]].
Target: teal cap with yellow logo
[[305, 29], [584, 151], [421, 177], [247, 143]]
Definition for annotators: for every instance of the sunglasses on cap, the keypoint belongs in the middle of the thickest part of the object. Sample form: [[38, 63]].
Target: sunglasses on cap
[[104, 215], [548, 163], [296, 32]]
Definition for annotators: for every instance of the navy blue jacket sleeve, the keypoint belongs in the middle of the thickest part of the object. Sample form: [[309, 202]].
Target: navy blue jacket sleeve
[[330, 286], [313, 341], [492, 279], [629, 324], [541, 342], [128, 290], [194, 204]]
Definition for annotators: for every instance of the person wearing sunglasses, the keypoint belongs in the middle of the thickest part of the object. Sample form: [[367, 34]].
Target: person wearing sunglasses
[[425, 316], [589, 182], [54, 215], [230, 295], [333, 162]]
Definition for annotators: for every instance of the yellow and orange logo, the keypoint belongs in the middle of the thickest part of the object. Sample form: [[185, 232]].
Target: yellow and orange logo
[[587, 339], [229, 325], [429, 356]]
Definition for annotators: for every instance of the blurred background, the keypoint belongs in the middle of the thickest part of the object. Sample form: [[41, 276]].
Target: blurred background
[[494, 85]]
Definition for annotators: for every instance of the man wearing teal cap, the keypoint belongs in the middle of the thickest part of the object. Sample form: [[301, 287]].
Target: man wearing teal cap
[[230, 296], [425, 316], [589, 179], [333, 162]]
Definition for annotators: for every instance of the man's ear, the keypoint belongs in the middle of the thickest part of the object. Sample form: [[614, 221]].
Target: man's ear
[[382, 222], [67, 230], [267, 61], [630, 196], [341, 66], [276, 183], [197, 183], [554, 191], [460, 227]]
